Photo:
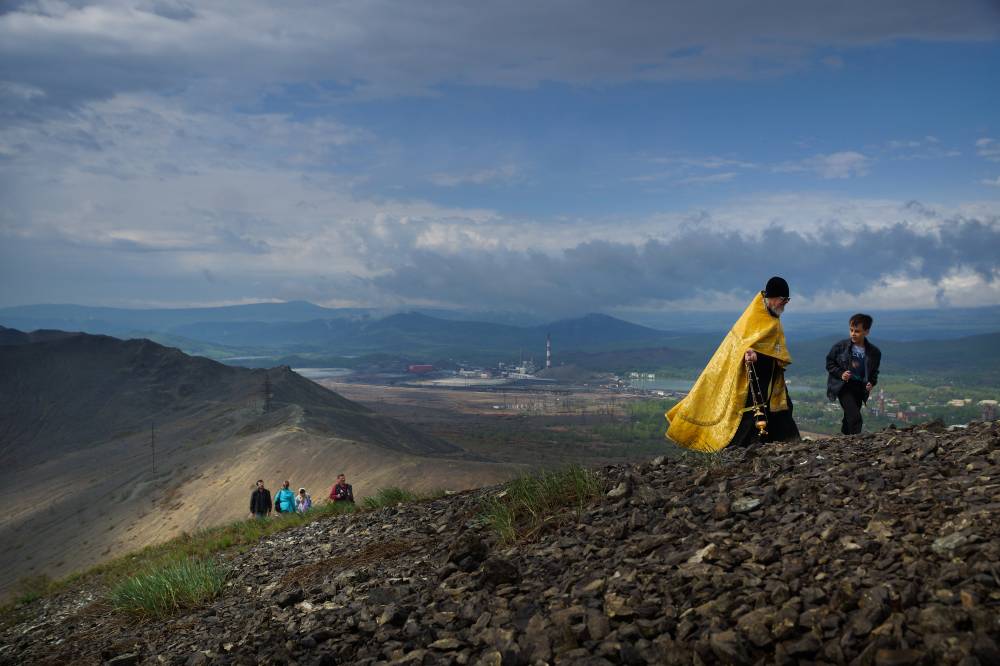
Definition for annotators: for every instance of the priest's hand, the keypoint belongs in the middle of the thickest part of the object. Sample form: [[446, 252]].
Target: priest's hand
[[750, 356]]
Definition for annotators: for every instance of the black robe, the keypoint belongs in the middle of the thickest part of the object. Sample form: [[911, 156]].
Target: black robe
[[780, 425]]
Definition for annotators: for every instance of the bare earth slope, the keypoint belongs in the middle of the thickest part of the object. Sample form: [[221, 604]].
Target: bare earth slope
[[878, 549], [77, 461]]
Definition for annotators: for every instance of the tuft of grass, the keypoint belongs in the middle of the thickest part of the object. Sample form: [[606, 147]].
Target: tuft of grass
[[24, 592], [161, 591], [204, 543], [197, 546], [32, 587], [391, 496], [529, 501]]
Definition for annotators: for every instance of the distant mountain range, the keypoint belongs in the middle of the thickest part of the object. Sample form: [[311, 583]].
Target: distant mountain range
[[302, 334], [926, 324], [116, 321], [273, 329]]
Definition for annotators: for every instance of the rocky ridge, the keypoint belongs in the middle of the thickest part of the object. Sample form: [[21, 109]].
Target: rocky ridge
[[876, 549]]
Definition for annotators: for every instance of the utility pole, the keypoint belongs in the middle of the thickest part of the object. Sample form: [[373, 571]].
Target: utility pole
[[152, 442], [267, 393]]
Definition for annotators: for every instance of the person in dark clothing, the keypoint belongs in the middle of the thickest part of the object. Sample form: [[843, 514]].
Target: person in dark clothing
[[852, 366], [260, 501], [342, 491], [780, 424]]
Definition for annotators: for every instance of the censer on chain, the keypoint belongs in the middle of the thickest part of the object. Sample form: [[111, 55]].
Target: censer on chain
[[757, 397]]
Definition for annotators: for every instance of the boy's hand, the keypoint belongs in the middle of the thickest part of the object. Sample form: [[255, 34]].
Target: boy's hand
[[868, 387], [846, 376]]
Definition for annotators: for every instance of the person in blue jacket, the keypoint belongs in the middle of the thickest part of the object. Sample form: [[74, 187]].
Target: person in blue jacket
[[284, 500]]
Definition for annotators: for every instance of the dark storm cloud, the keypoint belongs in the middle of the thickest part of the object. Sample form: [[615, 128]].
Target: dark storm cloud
[[602, 275], [76, 51]]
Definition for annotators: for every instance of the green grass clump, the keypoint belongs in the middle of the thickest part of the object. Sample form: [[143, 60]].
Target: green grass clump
[[529, 501], [24, 592], [164, 590], [32, 587], [391, 496], [157, 588], [239, 535]]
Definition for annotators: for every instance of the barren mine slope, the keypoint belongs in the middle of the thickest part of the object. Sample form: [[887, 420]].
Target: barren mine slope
[[875, 549], [77, 460]]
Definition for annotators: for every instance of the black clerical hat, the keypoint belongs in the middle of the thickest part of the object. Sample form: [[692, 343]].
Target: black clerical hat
[[776, 286]]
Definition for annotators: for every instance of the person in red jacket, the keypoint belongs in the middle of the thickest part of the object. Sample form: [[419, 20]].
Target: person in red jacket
[[342, 491]]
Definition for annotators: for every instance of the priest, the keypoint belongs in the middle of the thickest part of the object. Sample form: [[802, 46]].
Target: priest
[[743, 383]]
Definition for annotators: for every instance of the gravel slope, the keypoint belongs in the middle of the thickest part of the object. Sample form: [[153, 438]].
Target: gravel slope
[[877, 549]]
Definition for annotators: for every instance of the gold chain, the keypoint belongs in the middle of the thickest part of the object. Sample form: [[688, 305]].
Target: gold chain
[[757, 397]]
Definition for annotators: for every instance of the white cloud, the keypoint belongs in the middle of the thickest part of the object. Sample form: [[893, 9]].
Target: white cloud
[[707, 162], [19, 91], [502, 174], [708, 179], [172, 193], [844, 164], [99, 200], [992, 183], [960, 288], [988, 149], [926, 148], [703, 170], [691, 170]]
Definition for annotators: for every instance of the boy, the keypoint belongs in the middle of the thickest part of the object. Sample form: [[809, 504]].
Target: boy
[[852, 365]]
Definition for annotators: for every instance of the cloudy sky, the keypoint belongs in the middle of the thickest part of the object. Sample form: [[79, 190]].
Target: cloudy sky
[[552, 157]]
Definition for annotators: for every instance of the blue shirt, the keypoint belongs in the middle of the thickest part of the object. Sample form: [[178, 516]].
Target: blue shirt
[[858, 370]]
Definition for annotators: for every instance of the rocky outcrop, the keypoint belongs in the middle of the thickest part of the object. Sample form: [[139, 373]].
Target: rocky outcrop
[[878, 549]]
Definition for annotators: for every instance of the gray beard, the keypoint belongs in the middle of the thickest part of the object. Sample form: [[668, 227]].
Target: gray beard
[[776, 315]]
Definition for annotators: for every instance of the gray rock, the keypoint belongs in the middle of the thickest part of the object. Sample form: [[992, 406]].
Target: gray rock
[[623, 489], [499, 571], [290, 597], [745, 504], [130, 659]]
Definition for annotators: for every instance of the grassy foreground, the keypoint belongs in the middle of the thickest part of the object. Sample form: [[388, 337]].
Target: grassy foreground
[[159, 592], [528, 501], [183, 572]]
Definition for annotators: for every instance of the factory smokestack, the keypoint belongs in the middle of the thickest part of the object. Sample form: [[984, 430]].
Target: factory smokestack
[[548, 350]]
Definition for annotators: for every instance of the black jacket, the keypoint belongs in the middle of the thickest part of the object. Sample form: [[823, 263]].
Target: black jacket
[[260, 501], [839, 360]]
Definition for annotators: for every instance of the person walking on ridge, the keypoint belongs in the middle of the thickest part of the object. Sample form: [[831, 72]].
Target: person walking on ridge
[[342, 491], [260, 501], [303, 502], [284, 501]]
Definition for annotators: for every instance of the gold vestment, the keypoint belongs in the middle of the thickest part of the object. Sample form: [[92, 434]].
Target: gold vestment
[[707, 418]]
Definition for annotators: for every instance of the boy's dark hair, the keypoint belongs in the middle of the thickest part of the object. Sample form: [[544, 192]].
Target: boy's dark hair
[[862, 320]]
